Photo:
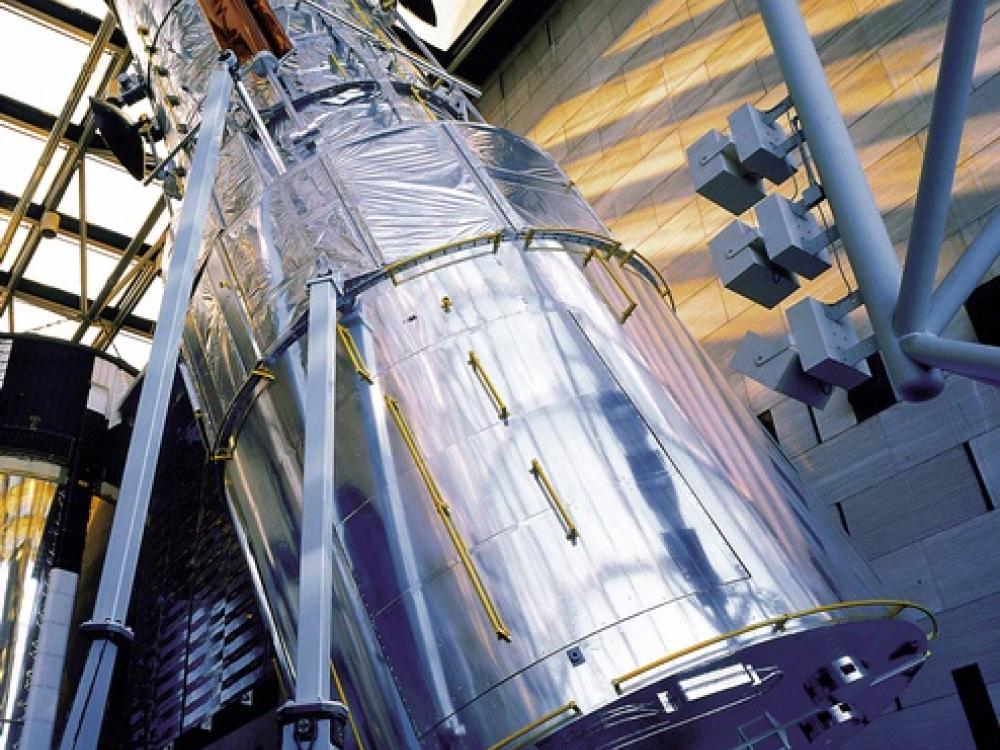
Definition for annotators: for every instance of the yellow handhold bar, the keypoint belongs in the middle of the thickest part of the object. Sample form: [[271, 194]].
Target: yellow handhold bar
[[484, 380], [572, 532], [441, 506], [353, 353]]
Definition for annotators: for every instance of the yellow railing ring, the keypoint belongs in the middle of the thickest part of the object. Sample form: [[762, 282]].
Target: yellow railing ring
[[778, 623], [532, 726]]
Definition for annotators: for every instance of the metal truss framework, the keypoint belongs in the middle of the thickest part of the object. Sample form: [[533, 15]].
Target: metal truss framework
[[137, 264]]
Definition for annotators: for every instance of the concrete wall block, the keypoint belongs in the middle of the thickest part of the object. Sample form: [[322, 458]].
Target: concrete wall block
[[950, 551], [850, 463], [917, 432], [794, 425], [836, 416], [977, 403], [907, 574], [929, 497], [986, 451]]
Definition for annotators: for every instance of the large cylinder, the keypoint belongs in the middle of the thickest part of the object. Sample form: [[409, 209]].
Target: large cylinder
[[554, 521]]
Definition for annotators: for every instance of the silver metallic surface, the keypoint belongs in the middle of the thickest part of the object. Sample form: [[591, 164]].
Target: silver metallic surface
[[118, 572], [944, 135], [690, 522]]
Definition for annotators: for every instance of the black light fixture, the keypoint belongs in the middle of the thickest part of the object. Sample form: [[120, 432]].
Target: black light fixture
[[124, 138]]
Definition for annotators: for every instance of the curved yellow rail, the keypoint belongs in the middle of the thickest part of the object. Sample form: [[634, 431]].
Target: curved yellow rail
[[778, 623]]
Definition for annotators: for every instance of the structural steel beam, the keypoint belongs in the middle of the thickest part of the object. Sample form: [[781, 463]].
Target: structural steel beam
[[107, 627], [71, 21], [66, 169], [862, 230], [312, 701], [38, 122], [976, 361], [67, 304], [964, 276], [944, 135], [69, 226]]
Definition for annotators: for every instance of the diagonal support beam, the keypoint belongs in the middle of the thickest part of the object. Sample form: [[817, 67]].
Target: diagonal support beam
[[964, 276], [862, 230], [69, 226], [133, 250], [107, 626], [944, 136], [976, 361], [58, 131], [71, 21]]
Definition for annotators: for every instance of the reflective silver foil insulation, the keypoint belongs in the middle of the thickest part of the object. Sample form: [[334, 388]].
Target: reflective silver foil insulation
[[533, 457]]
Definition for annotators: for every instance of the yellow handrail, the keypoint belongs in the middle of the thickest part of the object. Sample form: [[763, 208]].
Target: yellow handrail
[[481, 240], [484, 380], [444, 512], [778, 623], [630, 307], [353, 353], [528, 728], [572, 532]]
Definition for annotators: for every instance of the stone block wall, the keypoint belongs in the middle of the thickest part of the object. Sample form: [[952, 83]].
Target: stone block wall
[[617, 89]]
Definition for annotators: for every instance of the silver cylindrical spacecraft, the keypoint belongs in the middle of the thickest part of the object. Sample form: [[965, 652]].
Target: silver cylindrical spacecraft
[[555, 523]]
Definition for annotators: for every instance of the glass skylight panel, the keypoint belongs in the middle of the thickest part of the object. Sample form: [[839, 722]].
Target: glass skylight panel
[[27, 58], [56, 263], [114, 200], [132, 349], [31, 318], [453, 17], [19, 236], [21, 152], [149, 306]]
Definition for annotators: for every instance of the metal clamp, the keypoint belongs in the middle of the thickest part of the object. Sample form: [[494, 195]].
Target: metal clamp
[[117, 632], [632, 304], [572, 533], [484, 380], [306, 718], [532, 726], [443, 510]]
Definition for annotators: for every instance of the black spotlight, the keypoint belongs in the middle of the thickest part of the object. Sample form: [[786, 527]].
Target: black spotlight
[[122, 137], [422, 9]]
